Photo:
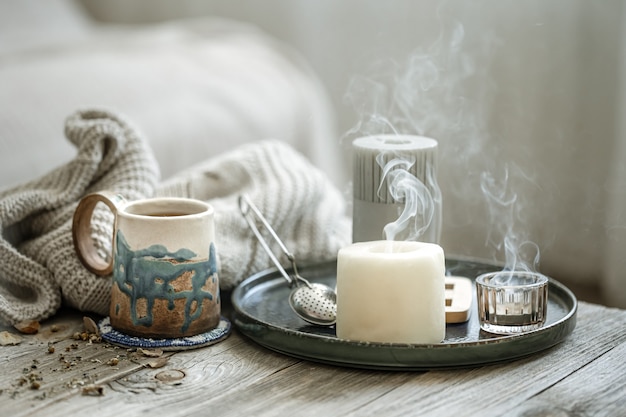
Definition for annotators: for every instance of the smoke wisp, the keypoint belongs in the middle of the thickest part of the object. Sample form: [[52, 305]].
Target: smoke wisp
[[419, 206], [443, 91]]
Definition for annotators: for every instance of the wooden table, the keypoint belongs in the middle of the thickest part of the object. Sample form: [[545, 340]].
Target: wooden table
[[583, 376]]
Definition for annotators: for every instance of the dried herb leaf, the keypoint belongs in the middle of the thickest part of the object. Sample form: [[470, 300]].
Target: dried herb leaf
[[90, 326], [157, 363], [151, 353], [27, 327], [7, 338]]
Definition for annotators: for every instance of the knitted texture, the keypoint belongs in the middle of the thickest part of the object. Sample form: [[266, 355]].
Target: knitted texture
[[38, 265], [297, 199]]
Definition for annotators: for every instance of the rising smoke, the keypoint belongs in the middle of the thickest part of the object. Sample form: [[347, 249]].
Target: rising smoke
[[442, 91], [419, 203]]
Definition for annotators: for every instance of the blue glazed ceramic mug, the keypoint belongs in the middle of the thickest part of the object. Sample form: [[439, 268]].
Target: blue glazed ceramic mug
[[164, 264]]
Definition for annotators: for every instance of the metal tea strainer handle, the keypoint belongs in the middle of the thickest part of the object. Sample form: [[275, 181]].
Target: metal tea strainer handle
[[245, 205], [315, 303]]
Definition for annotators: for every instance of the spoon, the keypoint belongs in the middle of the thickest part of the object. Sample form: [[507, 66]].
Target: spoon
[[314, 303]]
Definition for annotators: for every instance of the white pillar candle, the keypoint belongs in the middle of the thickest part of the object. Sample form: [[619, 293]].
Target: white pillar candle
[[391, 291]]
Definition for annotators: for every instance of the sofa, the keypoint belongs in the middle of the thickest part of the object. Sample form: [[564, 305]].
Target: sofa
[[195, 87]]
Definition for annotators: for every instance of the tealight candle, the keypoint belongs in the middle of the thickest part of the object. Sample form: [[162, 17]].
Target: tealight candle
[[511, 302], [391, 291]]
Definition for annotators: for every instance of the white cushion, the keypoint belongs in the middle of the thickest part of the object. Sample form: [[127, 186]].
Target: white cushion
[[195, 88], [28, 24]]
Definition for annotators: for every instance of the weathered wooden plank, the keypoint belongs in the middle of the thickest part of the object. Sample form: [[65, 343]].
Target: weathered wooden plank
[[189, 378], [598, 389], [236, 377], [491, 390], [31, 357], [53, 364], [309, 389], [315, 389], [312, 389]]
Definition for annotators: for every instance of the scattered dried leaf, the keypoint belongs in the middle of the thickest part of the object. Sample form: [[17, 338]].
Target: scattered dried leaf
[[27, 327], [157, 363], [7, 338], [93, 390], [151, 353], [90, 326]]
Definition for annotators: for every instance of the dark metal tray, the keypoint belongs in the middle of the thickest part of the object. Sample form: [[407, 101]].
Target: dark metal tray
[[262, 313]]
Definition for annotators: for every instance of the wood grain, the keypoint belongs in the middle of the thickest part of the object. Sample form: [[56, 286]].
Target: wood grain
[[597, 389], [584, 375]]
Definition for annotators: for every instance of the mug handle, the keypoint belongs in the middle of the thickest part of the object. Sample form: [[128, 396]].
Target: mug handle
[[81, 230]]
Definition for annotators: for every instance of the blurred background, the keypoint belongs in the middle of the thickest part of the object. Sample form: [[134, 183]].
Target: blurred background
[[526, 99]]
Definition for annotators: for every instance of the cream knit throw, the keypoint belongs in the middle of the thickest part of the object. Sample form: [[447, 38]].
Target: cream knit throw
[[38, 265], [298, 200]]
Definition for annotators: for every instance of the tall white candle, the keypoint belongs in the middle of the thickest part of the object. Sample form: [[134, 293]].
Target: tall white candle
[[391, 291]]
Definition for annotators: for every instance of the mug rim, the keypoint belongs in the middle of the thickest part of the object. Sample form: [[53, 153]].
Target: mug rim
[[162, 206]]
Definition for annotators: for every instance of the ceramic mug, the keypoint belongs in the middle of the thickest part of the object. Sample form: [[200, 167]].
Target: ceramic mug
[[164, 264]]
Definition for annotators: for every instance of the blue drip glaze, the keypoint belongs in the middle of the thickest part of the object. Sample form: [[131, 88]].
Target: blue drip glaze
[[148, 273]]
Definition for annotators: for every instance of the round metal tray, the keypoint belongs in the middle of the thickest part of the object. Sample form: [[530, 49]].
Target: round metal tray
[[262, 313]]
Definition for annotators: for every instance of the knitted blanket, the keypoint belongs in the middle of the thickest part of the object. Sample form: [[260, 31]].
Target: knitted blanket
[[298, 200], [38, 265], [39, 269]]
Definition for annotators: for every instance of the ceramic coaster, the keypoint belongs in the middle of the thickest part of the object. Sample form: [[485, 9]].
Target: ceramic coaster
[[219, 333]]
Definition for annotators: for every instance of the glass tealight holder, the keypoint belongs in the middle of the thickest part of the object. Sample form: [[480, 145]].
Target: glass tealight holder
[[511, 302]]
